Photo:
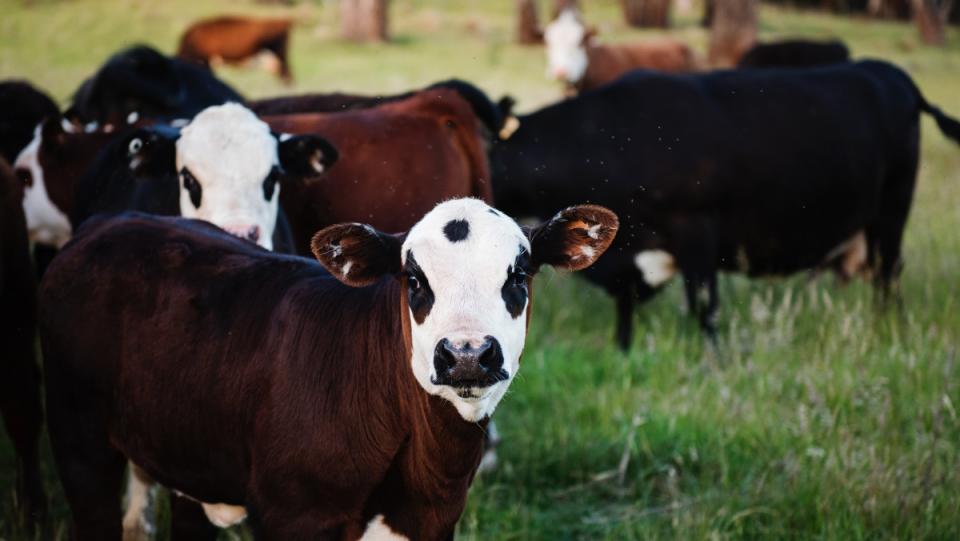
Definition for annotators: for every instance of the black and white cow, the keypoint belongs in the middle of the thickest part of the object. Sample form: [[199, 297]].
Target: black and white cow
[[349, 406], [764, 172]]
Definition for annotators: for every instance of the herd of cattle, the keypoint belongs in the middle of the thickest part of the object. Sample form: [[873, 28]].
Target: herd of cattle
[[235, 293]]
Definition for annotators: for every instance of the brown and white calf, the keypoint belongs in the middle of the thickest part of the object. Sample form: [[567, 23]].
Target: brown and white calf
[[349, 406], [236, 39], [574, 57]]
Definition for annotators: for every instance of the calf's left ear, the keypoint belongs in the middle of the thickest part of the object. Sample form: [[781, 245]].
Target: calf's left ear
[[357, 254], [573, 239], [305, 155]]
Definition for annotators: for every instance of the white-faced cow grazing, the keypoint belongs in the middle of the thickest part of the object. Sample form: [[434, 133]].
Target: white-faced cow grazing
[[324, 407], [574, 57], [764, 172], [236, 39]]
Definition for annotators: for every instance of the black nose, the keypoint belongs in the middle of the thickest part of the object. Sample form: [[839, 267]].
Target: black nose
[[469, 366]]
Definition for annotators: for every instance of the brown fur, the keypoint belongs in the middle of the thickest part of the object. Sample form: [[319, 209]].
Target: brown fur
[[608, 62], [397, 161], [236, 39]]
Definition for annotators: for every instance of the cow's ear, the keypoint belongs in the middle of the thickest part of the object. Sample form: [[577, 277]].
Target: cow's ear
[[574, 238], [52, 131], [305, 155], [152, 151], [357, 254]]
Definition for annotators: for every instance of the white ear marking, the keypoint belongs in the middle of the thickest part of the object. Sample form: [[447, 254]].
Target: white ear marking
[[345, 270], [67, 126], [133, 117], [594, 231], [315, 162], [285, 137]]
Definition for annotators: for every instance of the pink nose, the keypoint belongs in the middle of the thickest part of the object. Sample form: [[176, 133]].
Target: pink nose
[[251, 233]]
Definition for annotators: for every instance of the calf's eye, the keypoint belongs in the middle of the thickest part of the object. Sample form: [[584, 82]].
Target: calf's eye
[[192, 186]]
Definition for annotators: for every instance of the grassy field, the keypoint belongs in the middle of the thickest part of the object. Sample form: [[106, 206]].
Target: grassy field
[[826, 418]]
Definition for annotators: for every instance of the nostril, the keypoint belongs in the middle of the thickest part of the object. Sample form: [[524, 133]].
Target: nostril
[[490, 355], [253, 234], [444, 355]]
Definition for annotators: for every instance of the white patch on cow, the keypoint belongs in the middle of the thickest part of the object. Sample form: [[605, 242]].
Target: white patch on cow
[[91, 127], [230, 152], [346, 268], [46, 224], [67, 126], [133, 117], [135, 524], [377, 530], [657, 266], [585, 251], [222, 515], [566, 51], [852, 254], [466, 278], [594, 231]]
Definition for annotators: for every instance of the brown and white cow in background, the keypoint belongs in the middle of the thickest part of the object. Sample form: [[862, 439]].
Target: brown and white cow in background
[[234, 40], [575, 58], [343, 407]]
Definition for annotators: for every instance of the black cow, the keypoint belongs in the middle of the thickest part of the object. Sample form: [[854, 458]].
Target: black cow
[[797, 53], [22, 108], [764, 172], [143, 82], [19, 375]]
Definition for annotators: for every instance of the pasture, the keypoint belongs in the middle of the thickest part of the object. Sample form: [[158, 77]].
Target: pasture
[[823, 416]]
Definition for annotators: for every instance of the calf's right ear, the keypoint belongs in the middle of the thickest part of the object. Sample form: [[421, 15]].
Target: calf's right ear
[[305, 155], [357, 254], [573, 239]]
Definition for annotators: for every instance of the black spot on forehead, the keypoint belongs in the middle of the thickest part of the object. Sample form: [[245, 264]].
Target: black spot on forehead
[[456, 230]]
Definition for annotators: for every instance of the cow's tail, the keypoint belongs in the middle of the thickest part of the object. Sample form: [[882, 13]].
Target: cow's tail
[[948, 125]]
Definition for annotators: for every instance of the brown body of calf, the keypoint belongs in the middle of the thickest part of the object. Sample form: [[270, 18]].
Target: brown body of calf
[[235, 40], [608, 62], [19, 375], [397, 161]]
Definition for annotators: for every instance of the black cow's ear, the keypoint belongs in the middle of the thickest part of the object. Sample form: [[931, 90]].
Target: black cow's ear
[[357, 254], [152, 151], [574, 238], [305, 155]]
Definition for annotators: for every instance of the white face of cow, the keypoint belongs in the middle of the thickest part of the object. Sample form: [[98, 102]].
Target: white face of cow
[[465, 271], [228, 166], [566, 48], [46, 224]]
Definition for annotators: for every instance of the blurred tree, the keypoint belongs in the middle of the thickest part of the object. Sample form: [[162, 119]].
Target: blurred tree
[[528, 27], [707, 19], [364, 20], [646, 13], [931, 18], [733, 31]]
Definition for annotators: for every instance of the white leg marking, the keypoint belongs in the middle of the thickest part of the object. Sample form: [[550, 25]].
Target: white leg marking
[[377, 530], [135, 528], [855, 259], [657, 266]]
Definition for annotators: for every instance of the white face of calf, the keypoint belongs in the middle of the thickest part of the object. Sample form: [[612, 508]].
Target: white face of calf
[[466, 272], [566, 47], [46, 224]]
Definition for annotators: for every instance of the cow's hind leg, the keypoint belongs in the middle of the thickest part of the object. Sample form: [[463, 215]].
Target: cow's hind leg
[[278, 47], [20, 407], [625, 300]]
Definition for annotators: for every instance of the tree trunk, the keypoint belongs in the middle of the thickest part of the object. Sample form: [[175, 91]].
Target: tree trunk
[[931, 18], [708, 9], [646, 13], [889, 9], [734, 30], [560, 5], [528, 27], [364, 20]]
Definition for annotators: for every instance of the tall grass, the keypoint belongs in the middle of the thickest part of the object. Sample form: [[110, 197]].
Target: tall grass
[[823, 415]]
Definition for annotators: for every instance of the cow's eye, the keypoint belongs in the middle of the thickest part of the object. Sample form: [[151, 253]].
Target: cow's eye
[[413, 283], [192, 186], [519, 278], [270, 184]]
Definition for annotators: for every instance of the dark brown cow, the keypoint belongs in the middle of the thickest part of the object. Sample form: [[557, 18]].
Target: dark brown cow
[[340, 407], [396, 162], [236, 39], [582, 64], [19, 376]]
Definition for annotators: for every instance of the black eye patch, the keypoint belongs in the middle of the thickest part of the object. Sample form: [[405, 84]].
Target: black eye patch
[[419, 295], [514, 290], [270, 183], [192, 186]]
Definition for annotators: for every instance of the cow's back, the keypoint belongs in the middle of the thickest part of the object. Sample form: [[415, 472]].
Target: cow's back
[[396, 162]]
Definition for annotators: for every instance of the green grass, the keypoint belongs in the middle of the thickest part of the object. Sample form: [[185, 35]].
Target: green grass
[[824, 417]]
